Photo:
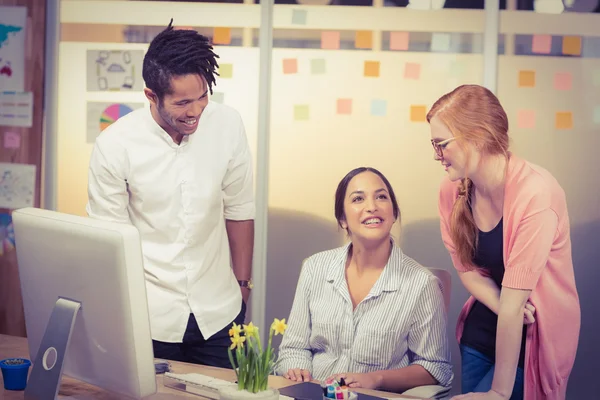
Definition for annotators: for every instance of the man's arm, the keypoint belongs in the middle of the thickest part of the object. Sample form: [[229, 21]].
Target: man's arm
[[241, 244]]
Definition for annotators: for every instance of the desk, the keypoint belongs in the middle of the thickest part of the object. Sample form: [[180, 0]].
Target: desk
[[12, 346]]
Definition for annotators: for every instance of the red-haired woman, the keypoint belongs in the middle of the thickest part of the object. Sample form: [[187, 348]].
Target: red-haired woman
[[505, 223]]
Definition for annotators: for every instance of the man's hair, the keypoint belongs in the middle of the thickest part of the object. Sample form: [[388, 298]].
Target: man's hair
[[178, 52]]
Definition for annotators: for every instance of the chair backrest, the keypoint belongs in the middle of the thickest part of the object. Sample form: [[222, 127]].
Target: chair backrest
[[446, 279]]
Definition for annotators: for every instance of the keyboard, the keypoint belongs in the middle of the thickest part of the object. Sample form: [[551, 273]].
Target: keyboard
[[202, 385]]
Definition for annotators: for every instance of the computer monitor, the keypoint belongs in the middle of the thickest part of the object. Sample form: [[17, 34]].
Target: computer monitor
[[85, 303]]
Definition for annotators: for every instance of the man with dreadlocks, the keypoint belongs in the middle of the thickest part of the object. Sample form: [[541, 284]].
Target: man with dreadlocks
[[181, 172]]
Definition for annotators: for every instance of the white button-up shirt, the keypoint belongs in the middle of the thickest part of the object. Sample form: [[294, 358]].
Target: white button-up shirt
[[178, 197]]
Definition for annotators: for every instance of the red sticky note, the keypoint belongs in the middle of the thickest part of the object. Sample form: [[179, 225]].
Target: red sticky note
[[344, 106], [412, 71], [12, 140], [541, 44], [290, 65], [563, 81], [330, 40], [399, 40], [526, 119]]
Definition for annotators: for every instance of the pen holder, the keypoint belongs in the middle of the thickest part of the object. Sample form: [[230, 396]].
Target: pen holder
[[15, 372]]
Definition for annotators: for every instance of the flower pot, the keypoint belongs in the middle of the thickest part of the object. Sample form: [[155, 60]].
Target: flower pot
[[233, 393], [15, 372]]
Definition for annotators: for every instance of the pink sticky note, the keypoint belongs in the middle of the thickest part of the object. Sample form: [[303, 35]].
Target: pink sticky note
[[526, 119], [541, 44], [563, 81], [330, 40], [12, 140], [412, 71], [344, 106], [399, 40], [290, 65]]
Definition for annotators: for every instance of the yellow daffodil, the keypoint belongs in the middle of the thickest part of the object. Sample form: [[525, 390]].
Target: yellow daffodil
[[235, 330], [237, 341], [251, 329], [279, 326]]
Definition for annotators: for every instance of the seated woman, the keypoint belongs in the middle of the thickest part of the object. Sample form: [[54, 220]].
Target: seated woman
[[366, 311]]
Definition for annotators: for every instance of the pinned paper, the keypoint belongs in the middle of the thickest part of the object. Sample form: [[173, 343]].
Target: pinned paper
[[399, 41], [563, 81], [290, 65], [218, 97], [526, 78], [378, 108], [16, 109], [597, 115], [571, 45], [418, 113], [317, 66], [526, 119], [372, 68], [222, 35], [440, 42], [12, 140], [344, 106], [412, 71], [301, 112], [330, 40], [17, 185], [226, 71], [541, 44], [363, 40], [564, 120], [299, 17], [596, 77]]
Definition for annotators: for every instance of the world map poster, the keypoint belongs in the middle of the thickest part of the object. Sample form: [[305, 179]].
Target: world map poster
[[12, 48]]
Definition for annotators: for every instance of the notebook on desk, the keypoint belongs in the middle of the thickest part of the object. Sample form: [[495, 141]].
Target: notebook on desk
[[313, 391]]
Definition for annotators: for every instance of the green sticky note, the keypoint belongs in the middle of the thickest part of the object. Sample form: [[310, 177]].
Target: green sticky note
[[317, 66], [226, 71], [301, 112], [596, 78]]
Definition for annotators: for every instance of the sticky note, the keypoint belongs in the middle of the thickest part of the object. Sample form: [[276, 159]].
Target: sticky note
[[226, 71], [440, 42], [301, 112], [378, 107], [399, 40], [317, 66], [457, 68], [563, 81], [526, 78], [526, 119], [571, 45], [412, 71], [541, 44], [363, 40], [596, 77], [222, 35], [330, 40], [418, 113], [218, 97], [372, 68], [564, 120], [299, 17], [344, 106], [290, 65], [12, 140], [597, 115]]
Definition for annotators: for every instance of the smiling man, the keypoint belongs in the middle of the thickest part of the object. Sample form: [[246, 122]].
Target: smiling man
[[181, 172]]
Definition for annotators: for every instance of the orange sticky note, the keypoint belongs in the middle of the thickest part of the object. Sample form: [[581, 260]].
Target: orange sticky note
[[290, 65], [344, 106], [222, 36], [563, 81], [412, 71], [399, 40], [564, 120], [526, 78], [363, 40], [571, 45], [418, 113], [372, 68], [526, 119], [330, 40]]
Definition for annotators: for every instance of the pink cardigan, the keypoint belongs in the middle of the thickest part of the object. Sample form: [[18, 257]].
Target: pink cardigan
[[537, 256]]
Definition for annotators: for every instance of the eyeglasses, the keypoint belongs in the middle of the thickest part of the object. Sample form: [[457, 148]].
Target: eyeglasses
[[440, 146]]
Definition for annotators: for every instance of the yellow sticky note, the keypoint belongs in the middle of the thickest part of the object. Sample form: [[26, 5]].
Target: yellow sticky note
[[301, 112], [418, 113], [372, 68], [526, 78], [226, 70], [222, 36], [564, 120], [571, 45], [363, 40]]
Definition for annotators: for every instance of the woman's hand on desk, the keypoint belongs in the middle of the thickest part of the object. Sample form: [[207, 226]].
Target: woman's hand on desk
[[370, 380], [298, 375]]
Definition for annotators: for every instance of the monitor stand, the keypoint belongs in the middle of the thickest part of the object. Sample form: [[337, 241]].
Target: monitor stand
[[44, 381]]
